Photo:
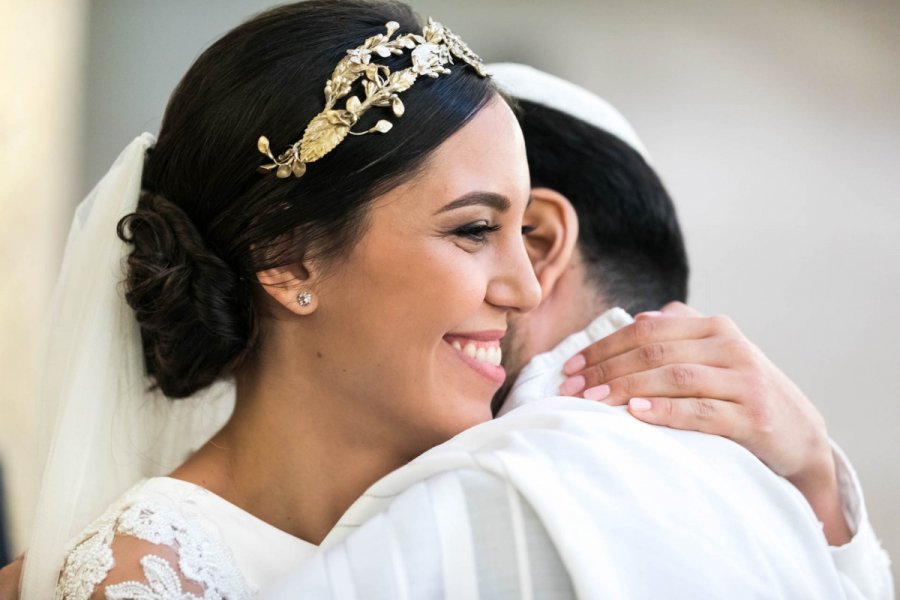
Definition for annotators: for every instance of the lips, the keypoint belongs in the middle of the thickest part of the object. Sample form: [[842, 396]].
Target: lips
[[481, 351]]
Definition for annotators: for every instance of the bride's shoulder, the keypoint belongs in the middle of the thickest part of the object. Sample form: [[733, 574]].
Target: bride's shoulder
[[150, 543]]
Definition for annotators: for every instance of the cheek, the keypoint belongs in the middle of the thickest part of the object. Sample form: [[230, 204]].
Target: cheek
[[429, 285], [424, 291], [395, 300]]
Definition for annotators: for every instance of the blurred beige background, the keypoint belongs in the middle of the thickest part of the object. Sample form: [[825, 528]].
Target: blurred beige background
[[776, 127]]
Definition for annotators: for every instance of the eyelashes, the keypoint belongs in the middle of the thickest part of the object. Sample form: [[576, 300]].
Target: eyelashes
[[479, 232], [476, 232]]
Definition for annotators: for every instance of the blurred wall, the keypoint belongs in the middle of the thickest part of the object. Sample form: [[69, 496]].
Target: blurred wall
[[41, 45], [776, 127]]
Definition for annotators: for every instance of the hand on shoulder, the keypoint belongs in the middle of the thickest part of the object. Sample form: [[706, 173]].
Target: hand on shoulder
[[685, 370]]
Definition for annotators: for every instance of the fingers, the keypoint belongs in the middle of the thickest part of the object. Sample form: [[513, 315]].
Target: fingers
[[645, 331], [671, 381], [716, 417], [714, 352]]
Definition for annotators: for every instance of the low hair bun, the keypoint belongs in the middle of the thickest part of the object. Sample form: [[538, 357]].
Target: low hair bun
[[194, 313]]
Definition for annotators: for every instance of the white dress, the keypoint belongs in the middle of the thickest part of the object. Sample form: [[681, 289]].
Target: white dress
[[193, 538]]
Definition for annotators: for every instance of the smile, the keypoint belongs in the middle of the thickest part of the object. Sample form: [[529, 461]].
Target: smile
[[489, 353], [481, 352]]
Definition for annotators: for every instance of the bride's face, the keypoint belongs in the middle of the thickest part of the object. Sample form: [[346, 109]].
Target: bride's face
[[409, 325]]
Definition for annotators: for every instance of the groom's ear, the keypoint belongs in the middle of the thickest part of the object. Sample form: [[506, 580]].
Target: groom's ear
[[551, 242]]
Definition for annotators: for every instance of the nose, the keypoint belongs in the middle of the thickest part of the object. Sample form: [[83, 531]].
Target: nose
[[514, 286]]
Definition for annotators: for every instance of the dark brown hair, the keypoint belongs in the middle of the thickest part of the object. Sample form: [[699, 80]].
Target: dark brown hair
[[206, 221], [628, 231]]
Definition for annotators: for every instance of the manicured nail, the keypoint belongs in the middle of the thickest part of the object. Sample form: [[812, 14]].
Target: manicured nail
[[572, 386], [596, 393], [640, 404], [574, 364]]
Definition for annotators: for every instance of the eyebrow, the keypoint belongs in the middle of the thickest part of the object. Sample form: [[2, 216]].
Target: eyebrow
[[495, 201]]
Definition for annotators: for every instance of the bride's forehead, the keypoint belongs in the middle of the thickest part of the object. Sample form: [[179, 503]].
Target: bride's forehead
[[458, 186], [492, 129], [487, 155]]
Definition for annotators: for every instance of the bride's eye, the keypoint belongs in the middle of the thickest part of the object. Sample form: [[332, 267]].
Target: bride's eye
[[476, 232], [526, 229]]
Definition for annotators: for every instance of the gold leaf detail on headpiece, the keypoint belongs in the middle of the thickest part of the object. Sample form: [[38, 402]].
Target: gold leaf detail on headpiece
[[431, 52], [323, 134]]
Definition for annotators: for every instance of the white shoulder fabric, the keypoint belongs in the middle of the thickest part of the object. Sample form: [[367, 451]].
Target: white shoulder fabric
[[527, 83], [103, 430], [461, 535], [566, 498]]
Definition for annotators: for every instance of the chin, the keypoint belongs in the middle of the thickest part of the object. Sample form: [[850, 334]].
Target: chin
[[476, 415], [452, 424]]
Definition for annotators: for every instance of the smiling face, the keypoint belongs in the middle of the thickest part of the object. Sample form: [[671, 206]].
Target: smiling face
[[408, 326]]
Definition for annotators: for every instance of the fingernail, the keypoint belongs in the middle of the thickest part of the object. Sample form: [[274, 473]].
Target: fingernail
[[572, 386], [596, 393], [648, 314], [574, 364], [640, 404]]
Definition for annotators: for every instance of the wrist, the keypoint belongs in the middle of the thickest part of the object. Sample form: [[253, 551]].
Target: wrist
[[819, 485], [819, 476]]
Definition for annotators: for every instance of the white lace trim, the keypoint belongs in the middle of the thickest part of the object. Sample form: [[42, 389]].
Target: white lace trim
[[162, 584], [202, 560]]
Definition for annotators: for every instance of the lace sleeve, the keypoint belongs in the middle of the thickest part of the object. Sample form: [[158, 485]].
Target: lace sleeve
[[151, 551], [145, 570]]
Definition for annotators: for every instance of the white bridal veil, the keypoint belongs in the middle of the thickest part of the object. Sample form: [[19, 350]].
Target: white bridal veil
[[103, 430]]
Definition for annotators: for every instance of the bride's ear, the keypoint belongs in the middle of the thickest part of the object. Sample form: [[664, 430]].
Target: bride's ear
[[292, 286], [551, 242]]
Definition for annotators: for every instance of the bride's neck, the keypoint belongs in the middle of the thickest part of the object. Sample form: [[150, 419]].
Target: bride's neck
[[292, 454]]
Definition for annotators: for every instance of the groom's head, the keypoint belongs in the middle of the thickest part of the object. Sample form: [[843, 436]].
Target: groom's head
[[605, 230]]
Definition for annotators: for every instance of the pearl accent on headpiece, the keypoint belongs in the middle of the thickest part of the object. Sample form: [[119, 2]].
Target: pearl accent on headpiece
[[431, 52]]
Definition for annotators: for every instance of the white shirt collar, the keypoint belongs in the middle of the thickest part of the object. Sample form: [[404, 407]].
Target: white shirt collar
[[542, 376]]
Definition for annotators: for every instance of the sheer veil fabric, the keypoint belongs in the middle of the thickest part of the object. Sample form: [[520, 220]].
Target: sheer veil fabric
[[102, 428]]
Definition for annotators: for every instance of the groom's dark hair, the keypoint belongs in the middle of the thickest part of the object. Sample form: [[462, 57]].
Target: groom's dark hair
[[628, 232]]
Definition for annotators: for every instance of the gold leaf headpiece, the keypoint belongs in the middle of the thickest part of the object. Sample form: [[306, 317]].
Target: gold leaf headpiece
[[431, 51]]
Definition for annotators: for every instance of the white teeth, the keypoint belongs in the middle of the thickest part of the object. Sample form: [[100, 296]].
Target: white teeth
[[489, 354], [495, 355]]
